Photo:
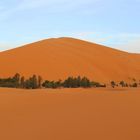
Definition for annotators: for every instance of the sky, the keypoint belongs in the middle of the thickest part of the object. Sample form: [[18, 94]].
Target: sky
[[114, 23]]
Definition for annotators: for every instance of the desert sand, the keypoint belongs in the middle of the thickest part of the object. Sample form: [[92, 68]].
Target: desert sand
[[58, 58], [70, 114]]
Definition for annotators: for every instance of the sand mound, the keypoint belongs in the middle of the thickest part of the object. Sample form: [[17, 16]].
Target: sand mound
[[55, 59]]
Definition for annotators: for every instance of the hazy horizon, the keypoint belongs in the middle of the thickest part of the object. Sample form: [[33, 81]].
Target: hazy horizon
[[22, 45], [111, 23]]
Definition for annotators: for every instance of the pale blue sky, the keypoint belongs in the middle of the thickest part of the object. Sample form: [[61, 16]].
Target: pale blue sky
[[115, 23]]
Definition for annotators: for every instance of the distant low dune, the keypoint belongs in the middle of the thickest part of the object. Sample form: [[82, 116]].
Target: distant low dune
[[59, 58]]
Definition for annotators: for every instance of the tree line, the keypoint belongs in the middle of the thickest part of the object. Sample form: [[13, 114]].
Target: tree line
[[18, 81], [124, 84], [36, 82]]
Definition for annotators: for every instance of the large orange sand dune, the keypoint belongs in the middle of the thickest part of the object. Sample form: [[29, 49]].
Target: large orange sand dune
[[58, 58]]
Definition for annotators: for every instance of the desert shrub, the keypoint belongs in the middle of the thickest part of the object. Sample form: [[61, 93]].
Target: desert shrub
[[52, 84], [134, 85], [39, 81], [75, 82], [97, 84], [12, 82], [85, 82], [123, 84], [113, 84]]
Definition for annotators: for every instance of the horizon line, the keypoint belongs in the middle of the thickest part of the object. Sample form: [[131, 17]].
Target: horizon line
[[65, 37]]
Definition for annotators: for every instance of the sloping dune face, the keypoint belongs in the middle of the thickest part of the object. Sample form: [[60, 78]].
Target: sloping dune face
[[59, 58]]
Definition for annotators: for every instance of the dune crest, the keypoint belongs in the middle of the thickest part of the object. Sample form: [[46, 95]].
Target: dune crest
[[58, 58]]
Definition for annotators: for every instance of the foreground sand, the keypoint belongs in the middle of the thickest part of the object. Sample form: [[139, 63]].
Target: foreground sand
[[70, 114]]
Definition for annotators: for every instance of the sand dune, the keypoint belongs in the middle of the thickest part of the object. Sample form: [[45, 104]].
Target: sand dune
[[58, 58], [70, 114]]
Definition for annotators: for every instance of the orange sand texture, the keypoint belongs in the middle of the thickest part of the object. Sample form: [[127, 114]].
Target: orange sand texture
[[70, 114], [56, 59]]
